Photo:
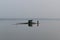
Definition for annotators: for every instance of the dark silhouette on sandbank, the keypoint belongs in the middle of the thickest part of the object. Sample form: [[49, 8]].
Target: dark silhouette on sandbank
[[30, 23]]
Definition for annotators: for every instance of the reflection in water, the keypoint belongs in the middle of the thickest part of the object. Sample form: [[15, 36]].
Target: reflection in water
[[30, 25]]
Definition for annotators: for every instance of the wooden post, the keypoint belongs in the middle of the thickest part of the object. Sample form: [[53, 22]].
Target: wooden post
[[37, 23]]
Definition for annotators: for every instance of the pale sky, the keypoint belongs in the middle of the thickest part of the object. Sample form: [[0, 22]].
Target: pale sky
[[29, 8]]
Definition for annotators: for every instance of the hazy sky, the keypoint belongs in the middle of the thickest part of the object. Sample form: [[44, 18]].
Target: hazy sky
[[29, 8]]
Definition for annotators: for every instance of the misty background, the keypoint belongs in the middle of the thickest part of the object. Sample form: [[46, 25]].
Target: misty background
[[48, 29], [29, 8]]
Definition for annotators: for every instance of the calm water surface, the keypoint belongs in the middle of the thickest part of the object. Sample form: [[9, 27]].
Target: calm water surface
[[47, 30]]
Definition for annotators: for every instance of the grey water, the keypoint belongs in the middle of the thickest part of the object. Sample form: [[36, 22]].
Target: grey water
[[47, 30]]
